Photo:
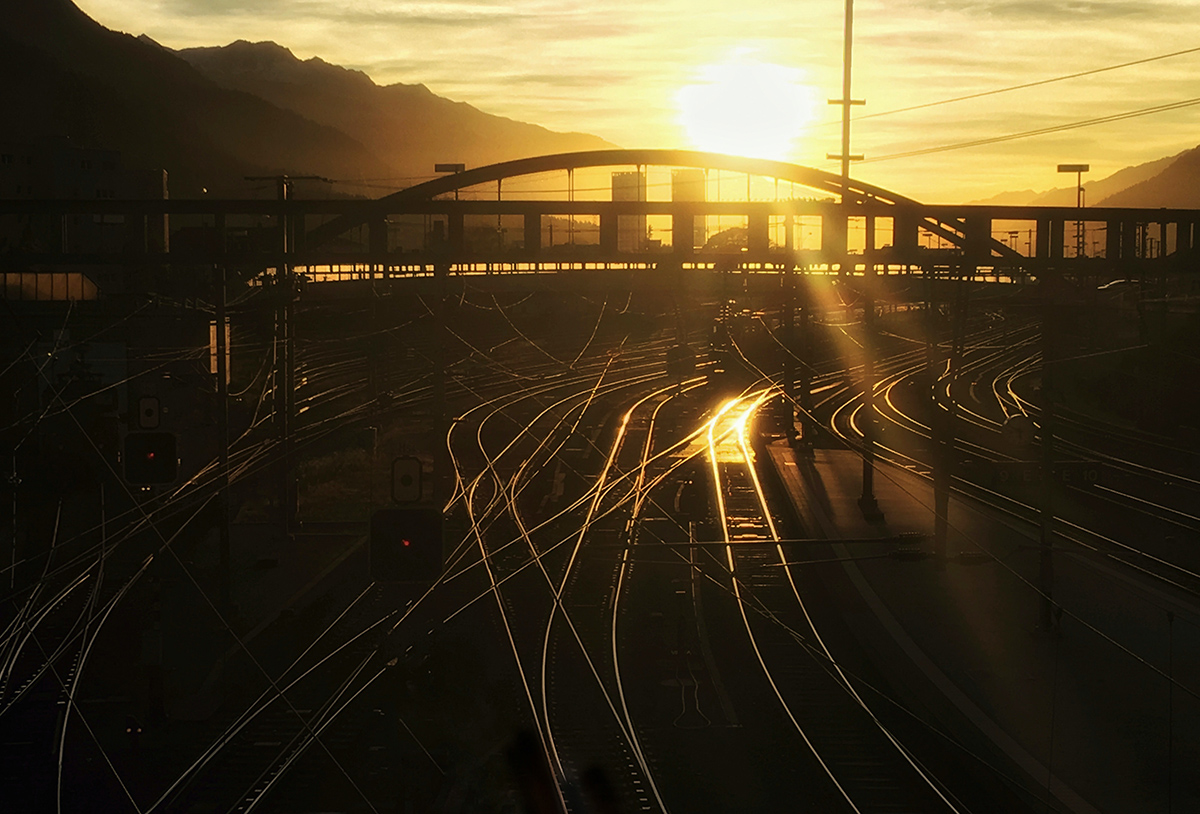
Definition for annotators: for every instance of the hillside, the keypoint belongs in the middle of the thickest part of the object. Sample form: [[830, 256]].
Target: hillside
[[1164, 179], [1178, 185], [68, 76], [252, 110], [1097, 193], [407, 125]]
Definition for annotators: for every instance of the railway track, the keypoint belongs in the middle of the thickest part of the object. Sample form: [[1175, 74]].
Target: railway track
[[867, 769]]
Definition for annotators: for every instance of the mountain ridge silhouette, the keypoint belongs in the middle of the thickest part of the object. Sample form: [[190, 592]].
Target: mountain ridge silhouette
[[68, 77], [408, 125]]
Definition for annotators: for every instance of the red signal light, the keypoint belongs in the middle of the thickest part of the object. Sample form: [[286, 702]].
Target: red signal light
[[406, 545], [150, 457]]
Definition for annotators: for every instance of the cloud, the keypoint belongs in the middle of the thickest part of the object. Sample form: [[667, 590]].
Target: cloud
[[1076, 10], [613, 67]]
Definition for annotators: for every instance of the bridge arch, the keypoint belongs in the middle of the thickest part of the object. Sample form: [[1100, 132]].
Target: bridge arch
[[850, 191], [855, 191]]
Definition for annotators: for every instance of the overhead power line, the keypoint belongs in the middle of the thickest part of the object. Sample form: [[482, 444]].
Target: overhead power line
[[1131, 114], [1025, 85]]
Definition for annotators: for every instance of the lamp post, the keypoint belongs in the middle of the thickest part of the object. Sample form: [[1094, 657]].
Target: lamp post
[[1079, 170]]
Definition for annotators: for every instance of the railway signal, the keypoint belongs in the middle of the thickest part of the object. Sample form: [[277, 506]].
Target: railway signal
[[148, 413], [150, 458], [406, 545], [406, 480]]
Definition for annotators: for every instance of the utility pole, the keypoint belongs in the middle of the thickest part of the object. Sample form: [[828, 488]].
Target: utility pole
[[948, 416], [788, 319], [284, 397], [808, 427], [866, 501], [846, 101], [441, 273], [225, 599], [441, 463], [937, 419], [1046, 531]]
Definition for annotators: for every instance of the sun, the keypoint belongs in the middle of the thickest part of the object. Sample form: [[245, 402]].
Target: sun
[[746, 107]]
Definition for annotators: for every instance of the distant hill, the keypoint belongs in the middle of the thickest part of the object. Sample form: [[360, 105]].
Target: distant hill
[[1022, 198], [407, 125], [1178, 185], [1153, 177], [67, 76], [1098, 193]]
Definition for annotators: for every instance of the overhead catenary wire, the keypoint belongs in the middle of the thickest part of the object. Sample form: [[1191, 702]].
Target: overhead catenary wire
[[1042, 131], [145, 518], [1022, 86], [858, 450], [216, 746]]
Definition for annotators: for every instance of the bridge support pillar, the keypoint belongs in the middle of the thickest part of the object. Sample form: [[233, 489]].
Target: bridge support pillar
[[758, 238], [833, 237], [1181, 239], [904, 237], [377, 244], [608, 233], [1185, 240], [454, 232], [978, 238], [684, 238], [683, 234], [1130, 243], [533, 234], [1112, 241], [1050, 239]]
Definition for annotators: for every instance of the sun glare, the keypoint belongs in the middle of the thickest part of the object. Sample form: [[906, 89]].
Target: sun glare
[[746, 107]]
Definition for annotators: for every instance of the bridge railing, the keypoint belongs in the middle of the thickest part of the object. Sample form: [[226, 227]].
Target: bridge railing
[[53, 234]]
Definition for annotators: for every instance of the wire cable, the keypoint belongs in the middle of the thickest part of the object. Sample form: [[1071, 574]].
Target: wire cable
[[1022, 86], [1043, 131]]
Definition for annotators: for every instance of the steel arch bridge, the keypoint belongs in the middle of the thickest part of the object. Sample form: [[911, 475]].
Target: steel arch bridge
[[845, 199], [843, 226]]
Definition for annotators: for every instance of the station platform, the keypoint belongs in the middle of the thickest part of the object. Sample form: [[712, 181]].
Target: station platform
[[1085, 716]]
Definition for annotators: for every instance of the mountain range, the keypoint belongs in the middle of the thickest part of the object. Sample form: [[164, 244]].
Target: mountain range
[[212, 116], [406, 125], [1173, 181]]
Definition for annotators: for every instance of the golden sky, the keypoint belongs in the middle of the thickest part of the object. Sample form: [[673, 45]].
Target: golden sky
[[754, 77]]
